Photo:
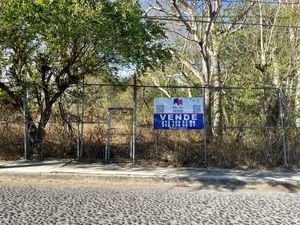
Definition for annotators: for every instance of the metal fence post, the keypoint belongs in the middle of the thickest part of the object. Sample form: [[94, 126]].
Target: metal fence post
[[107, 146], [282, 126], [78, 125], [82, 118], [26, 134], [134, 119], [205, 129]]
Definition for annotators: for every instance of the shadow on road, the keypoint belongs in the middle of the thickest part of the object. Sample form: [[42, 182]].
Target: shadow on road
[[238, 179]]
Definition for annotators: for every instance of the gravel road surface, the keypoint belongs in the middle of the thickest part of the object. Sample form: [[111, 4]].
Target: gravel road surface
[[140, 205]]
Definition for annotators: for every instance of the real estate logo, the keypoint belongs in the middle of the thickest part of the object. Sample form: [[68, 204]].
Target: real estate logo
[[177, 103]]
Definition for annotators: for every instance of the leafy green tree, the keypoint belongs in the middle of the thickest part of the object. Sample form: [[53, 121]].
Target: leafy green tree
[[46, 46], [267, 56]]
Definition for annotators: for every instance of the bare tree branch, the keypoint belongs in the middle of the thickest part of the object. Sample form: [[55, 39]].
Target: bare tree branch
[[190, 66], [156, 83], [240, 16]]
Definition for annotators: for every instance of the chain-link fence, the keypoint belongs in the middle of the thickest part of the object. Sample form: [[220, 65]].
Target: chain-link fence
[[103, 122], [11, 133]]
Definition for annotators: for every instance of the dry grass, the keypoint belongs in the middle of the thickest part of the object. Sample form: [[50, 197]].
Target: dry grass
[[239, 148]]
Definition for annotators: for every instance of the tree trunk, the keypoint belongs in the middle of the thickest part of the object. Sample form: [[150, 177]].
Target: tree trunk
[[273, 115], [272, 119], [208, 118], [297, 100], [216, 74], [37, 134], [207, 97]]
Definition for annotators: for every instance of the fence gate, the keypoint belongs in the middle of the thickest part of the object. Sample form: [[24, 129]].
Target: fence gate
[[119, 135]]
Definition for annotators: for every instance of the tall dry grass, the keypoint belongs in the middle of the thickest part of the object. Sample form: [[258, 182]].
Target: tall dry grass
[[240, 148]]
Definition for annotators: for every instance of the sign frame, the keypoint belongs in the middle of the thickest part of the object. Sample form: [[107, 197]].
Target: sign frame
[[179, 113]]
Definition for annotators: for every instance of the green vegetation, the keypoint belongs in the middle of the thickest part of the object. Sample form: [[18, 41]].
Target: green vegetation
[[47, 46]]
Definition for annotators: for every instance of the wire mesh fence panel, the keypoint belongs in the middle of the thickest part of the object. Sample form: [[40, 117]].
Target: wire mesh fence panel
[[293, 145], [120, 134], [254, 147], [60, 139], [92, 109], [54, 134], [246, 127], [11, 134], [251, 129], [180, 147], [94, 140], [95, 105], [291, 124]]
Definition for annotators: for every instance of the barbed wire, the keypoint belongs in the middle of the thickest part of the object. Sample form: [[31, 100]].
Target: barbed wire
[[185, 86], [174, 19], [252, 1], [232, 16]]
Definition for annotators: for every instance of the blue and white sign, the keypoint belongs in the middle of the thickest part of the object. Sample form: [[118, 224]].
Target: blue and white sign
[[178, 113]]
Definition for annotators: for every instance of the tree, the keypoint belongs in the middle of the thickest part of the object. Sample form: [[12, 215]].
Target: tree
[[204, 26], [48, 46], [265, 54]]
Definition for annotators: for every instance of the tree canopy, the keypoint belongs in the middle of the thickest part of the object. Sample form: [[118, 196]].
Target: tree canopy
[[48, 45]]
